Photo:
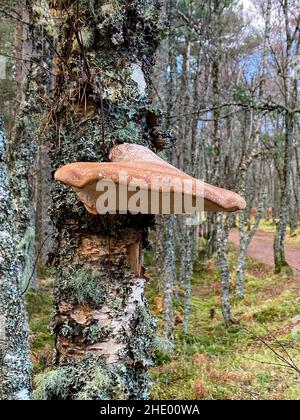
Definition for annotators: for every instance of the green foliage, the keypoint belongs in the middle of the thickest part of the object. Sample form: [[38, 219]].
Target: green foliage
[[44, 272], [212, 362], [278, 312]]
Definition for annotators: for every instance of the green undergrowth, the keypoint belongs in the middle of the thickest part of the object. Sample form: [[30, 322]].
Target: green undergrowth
[[214, 362], [39, 302], [211, 361]]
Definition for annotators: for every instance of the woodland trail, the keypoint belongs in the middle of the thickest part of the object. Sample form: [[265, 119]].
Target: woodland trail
[[261, 248]]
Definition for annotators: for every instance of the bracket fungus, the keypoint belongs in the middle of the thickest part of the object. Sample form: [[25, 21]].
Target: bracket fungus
[[138, 181], [135, 180]]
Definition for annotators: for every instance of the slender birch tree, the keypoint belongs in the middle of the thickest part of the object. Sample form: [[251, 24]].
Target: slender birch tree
[[15, 365]]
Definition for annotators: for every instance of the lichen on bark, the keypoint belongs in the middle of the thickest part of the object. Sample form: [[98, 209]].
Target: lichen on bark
[[104, 59], [25, 140], [15, 366]]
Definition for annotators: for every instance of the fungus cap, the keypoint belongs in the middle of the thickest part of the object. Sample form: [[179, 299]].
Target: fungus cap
[[137, 180]]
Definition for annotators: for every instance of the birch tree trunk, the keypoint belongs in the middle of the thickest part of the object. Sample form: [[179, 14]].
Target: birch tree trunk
[[169, 276], [15, 366], [104, 333], [247, 160], [222, 246], [245, 239], [188, 275], [24, 143], [290, 92]]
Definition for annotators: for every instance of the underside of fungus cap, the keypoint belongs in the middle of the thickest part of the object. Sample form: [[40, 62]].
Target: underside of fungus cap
[[138, 181]]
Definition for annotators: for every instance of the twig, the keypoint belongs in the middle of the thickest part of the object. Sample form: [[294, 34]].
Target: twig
[[286, 363], [34, 267], [264, 107], [58, 54], [268, 363]]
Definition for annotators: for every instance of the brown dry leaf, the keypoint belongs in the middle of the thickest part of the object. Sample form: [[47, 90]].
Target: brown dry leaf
[[199, 389], [178, 290], [158, 301], [178, 318], [202, 360]]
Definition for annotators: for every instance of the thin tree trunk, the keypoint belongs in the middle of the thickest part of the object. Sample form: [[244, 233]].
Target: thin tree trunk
[[188, 277], [168, 222], [169, 277], [245, 239], [247, 160], [24, 144], [222, 239], [160, 250], [285, 181], [15, 366]]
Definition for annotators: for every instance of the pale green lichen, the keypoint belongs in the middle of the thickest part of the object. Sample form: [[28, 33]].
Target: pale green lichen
[[129, 130], [86, 379], [163, 349], [15, 366], [141, 343], [66, 330], [53, 385], [96, 387], [82, 286], [93, 333]]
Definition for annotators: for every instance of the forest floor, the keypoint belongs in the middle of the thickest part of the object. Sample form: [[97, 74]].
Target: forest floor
[[211, 361], [261, 248], [250, 360]]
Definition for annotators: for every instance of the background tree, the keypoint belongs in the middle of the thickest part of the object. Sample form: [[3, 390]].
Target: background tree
[[228, 115], [15, 365]]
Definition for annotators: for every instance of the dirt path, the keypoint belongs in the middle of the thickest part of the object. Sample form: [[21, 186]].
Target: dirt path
[[261, 248]]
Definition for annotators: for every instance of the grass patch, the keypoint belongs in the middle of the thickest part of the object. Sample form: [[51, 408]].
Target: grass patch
[[212, 362], [39, 305]]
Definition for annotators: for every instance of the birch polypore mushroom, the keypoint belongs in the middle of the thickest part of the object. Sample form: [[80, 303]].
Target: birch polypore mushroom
[[109, 319], [137, 180]]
